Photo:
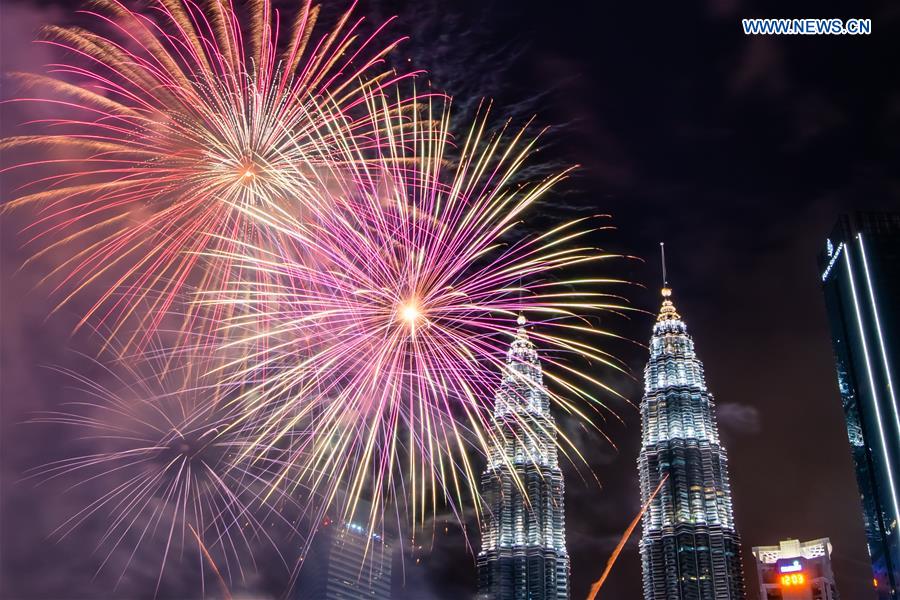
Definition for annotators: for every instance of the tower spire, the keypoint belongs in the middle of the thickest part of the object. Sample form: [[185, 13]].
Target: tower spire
[[662, 252], [520, 330], [667, 312]]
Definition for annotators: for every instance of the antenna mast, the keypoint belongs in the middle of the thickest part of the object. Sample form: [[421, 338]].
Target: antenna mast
[[662, 252]]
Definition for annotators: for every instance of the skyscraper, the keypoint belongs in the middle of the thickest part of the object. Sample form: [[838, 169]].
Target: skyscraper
[[860, 269], [795, 570], [346, 562], [690, 549], [523, 544]]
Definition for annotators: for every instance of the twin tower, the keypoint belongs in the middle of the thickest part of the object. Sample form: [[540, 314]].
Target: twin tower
[[690, 548]]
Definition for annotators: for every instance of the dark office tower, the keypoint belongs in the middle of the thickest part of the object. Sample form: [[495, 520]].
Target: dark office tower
[[861, 278], [346, 561], [690, 549], [523, 542]]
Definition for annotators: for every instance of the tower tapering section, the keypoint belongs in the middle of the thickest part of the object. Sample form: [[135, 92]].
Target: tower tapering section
[[523, 544], [690, 549]]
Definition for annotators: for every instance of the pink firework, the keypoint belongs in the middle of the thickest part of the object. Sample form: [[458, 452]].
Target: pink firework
[[374, 334], [170, 120]]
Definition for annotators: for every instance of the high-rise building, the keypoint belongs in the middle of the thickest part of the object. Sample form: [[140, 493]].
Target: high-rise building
[[860, 269], [795, 570], [690, 549], [523, 544], [346, 562]]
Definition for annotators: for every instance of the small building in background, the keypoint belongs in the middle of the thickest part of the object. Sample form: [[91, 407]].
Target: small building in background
[[795, 570], [346, 561]]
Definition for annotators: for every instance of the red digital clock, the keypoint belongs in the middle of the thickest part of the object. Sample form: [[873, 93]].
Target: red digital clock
[[792, 580]]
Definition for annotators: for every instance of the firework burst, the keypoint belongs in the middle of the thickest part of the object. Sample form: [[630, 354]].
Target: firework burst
[[162, 466], [169, 119], [385, 320]]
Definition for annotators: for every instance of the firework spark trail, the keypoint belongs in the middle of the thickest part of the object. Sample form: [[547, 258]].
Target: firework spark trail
[[226, 593], [386, 318], [598, 585], [167, 472], [166, 121]]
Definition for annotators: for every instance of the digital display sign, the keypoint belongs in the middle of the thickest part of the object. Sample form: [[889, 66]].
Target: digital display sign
[[794, 567], [793, 580], [792, 572]]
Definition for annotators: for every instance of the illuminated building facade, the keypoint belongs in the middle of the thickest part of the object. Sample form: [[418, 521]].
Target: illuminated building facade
[[795, 570], [860, 270], [523, 546], [690, 549], [346, 562]]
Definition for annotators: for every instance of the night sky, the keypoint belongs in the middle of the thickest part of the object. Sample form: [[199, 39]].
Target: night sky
[[739, 152]]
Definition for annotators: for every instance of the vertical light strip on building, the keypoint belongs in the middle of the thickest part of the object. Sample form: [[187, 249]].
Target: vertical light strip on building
[[862, 336], [884, 358]]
